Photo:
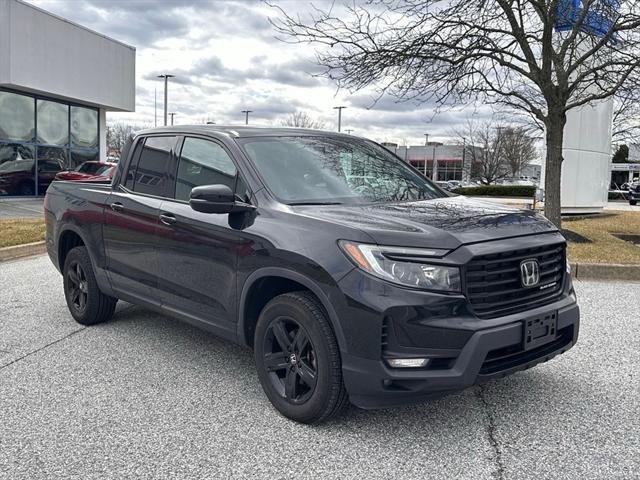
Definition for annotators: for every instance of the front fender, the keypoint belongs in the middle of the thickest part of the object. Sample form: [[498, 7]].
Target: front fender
[[302, 280]]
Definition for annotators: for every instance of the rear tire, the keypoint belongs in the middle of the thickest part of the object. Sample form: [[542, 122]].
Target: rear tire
[[87, 304], [298, 359], [632, 202]]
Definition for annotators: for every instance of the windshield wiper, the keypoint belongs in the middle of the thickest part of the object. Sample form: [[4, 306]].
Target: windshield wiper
[[314, 203]]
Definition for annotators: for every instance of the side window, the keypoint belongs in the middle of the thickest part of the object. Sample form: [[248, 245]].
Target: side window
[[203, 162], [151, 171]]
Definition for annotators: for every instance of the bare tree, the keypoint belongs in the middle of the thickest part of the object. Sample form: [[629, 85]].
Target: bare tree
[[504, 52], [626, 117], [518, 149], [302, 120], [117, 136], [484, 150]]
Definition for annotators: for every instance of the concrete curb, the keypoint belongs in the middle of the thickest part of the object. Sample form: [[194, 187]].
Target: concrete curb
[[19, 251], [605, 271]]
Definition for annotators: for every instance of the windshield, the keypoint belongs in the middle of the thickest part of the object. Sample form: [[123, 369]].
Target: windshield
[[103, 171], [321, 170], [89, 167]]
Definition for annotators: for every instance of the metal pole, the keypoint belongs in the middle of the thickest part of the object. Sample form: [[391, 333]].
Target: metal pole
[[464, 157], [155, 106], [435, 165], [172, 114], [246, 118], [166, 77], [166, 83], [426, 142], [339, 116]]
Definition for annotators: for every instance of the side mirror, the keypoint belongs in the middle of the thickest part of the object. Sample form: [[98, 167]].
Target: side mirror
[[216, 199]]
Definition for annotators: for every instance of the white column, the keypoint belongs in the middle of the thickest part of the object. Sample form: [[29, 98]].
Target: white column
[[102, 133]]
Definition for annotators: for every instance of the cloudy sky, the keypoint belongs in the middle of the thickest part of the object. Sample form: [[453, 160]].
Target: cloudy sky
[[226, 59]]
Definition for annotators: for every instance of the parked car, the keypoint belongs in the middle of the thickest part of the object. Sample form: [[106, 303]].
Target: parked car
[[444, 185], [634, 193], [89, 171], [18, 177], [378, 293]]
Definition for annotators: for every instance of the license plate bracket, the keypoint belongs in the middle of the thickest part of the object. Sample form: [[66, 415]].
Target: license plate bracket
[[539, 330]]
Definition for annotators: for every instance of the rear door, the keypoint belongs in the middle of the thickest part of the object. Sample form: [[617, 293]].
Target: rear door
[[132, 217], [198, 252]]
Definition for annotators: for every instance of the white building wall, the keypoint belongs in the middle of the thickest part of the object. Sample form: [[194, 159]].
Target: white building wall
[[43, 53]]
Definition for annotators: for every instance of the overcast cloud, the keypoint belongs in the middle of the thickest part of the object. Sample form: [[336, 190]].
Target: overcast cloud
[[226, 59]]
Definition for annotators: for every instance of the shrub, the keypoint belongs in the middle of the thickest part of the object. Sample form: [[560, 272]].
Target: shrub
[[498, 191]]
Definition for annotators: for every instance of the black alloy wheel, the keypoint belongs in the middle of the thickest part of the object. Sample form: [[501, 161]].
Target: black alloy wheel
[[298, 358], [78, 288], [290, 359], [86, 302]]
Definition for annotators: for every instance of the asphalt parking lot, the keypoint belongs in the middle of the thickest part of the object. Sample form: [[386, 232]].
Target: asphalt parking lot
[[145, 396]]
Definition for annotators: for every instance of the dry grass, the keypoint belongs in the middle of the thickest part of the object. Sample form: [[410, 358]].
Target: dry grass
[[20, 231], [605, 247]]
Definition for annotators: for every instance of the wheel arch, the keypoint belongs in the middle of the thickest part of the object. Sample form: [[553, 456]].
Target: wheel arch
[[247, 317]]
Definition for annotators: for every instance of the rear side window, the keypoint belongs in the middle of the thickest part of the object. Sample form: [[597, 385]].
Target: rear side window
[[203, 162], [150, 174]]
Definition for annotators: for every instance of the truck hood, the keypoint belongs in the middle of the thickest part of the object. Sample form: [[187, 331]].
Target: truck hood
[[440, 223]]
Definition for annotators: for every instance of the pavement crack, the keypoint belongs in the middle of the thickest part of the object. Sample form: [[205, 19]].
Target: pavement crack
[[33, 352], [491, 433]]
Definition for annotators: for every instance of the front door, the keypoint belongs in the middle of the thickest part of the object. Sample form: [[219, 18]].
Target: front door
[[198, 252]]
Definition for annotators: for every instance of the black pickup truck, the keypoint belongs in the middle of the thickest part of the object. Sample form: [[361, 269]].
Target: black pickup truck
[[352, 276]]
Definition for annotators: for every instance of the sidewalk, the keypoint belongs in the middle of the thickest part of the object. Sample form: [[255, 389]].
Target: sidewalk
[[28, 207]]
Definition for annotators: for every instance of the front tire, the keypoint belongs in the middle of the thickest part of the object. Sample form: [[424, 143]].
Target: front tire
[[87, 304], [632, 202], [298, 359]]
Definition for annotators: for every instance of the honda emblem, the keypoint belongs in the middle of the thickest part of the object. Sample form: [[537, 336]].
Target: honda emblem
[[530, 273]]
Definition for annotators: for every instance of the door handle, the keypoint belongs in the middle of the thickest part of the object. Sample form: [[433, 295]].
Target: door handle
[[117, 207], [167, 218]]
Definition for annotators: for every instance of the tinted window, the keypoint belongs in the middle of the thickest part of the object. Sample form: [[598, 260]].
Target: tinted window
[[203, 162], [84, 127], [53, 123], [17, 119], [151, 171]]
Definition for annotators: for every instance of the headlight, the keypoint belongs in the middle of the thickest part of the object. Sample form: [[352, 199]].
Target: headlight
[[405, 266]]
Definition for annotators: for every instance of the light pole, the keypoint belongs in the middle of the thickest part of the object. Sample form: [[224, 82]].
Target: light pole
[[339, 116], [246, 118], [166, 77], [172, 114], [426, 142], [155, 106], [464, 158]]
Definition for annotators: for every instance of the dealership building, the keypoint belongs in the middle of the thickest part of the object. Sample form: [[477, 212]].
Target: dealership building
[[57, 81]]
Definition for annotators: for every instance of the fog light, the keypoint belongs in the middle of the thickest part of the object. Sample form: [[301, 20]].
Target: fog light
[[407, 362]]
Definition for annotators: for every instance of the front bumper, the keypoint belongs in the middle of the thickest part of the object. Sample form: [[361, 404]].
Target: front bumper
[[489, 353]]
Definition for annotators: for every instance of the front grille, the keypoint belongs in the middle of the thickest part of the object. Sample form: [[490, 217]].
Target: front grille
[[493, 282]]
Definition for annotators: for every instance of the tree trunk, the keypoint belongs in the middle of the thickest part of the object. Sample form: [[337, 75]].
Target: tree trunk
[[553, 168]]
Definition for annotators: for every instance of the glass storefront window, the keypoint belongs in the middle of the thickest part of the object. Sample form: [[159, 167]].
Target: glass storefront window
[[17, 173], [51, 160], [53, 123], [39, 138], [84, 127], [17, 118], [78, 157]]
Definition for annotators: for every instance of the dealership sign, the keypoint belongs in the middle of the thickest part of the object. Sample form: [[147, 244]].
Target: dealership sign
[[597, 20]]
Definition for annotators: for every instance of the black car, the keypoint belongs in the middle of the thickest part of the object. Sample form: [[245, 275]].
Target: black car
[[352, 276], [634, 193]]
